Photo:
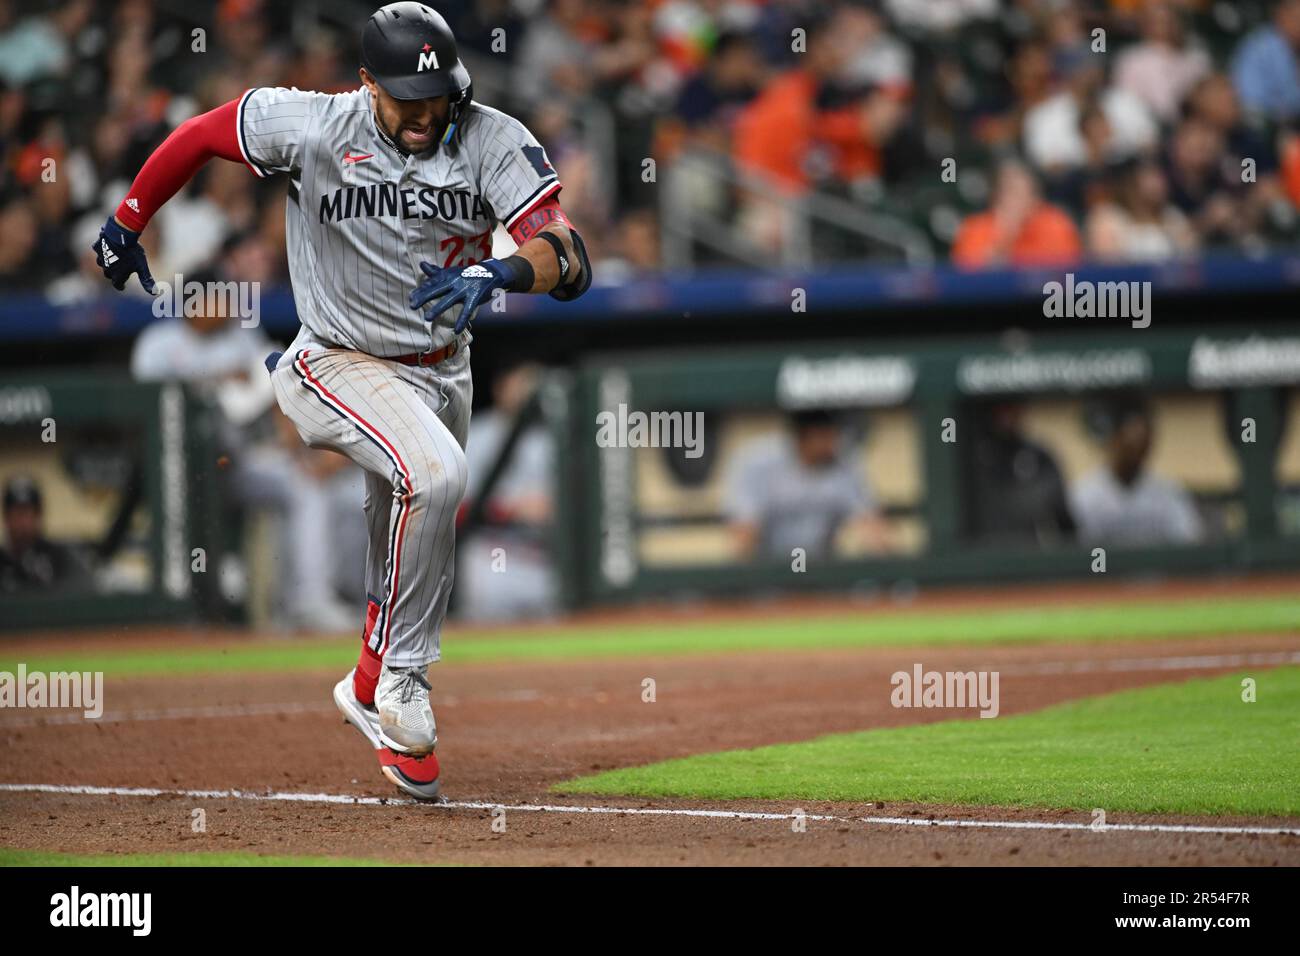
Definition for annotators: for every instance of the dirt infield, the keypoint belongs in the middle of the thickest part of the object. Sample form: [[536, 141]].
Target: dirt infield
[[509, 731]]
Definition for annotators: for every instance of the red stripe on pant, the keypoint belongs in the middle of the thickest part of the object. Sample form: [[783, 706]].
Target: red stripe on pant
[[399, 532]]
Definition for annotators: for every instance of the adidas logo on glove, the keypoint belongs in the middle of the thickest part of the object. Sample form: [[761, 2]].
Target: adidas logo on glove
[[109, 256], [476, 272]]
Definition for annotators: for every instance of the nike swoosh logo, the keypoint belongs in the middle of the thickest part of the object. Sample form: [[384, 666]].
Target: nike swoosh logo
[[349, 158]]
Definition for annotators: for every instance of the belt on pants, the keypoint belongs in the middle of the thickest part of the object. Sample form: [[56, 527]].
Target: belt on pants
[[428, 358], [414, 358]]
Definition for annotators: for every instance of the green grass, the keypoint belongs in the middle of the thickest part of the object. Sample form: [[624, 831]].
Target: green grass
[[11, 857], [1051, 624], [1191, 747]]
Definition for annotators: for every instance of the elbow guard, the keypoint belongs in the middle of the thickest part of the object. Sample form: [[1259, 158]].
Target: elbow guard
[[567, 293]]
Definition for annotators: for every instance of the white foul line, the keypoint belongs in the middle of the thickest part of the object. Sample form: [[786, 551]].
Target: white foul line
[[341, 798]]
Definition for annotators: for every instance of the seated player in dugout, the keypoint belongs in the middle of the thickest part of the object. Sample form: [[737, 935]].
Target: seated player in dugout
[[394, 192], [1122, 502], [1013, 486], [30, 561], [802, 490]]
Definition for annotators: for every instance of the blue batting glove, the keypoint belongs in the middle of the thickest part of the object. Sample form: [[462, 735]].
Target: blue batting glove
[[118, 253], [470, 286]]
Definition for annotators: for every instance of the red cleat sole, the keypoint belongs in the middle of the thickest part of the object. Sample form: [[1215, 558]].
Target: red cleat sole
[[417, 776]]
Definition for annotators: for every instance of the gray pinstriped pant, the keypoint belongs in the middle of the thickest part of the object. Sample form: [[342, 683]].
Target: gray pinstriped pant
[[406, 427]]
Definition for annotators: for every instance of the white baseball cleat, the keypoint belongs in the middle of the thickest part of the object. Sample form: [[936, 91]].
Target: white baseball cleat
[[405, 717], [413, 775], [363, 718]]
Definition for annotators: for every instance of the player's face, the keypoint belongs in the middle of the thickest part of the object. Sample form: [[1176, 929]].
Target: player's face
[[22, 525], [415, 125], [1129, 447], [818, 445]]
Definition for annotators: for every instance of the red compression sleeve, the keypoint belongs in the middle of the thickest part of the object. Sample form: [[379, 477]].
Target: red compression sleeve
[[176, 161], [531, 222]]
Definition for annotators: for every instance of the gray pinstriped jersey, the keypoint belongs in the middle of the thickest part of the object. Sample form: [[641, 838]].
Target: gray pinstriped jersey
[[362, 214]]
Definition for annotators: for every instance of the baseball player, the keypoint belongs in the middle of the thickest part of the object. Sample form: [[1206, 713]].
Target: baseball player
[[394, 190]]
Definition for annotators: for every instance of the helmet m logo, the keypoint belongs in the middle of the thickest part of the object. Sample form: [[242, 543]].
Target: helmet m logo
[[428, 59]]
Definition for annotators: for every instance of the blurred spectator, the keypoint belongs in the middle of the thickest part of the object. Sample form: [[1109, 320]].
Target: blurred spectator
[[245, 43], [999, 115], [1140, 224], [506, 569], [1196, 187], [880, 59], [476, 22], [1121, 503], [557, 53], [39, 46], [711, 99], [30, 561], [51, 199], [1081, 187], [316, 493], [1229, 205], [18, 226], [1063, 25], [316, 65], [816, 122], [1214, 101], [1016, 490], [1265, 70], [634, 250], [1053, 133], [800, 490], [1019, 228], [1164, 65], [706, 111]]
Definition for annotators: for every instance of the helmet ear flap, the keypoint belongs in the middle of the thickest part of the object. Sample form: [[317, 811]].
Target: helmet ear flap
[[457, 112]]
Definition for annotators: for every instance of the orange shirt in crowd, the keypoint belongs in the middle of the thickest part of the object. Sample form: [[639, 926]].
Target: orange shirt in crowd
[[775, 133], [1048, 237]]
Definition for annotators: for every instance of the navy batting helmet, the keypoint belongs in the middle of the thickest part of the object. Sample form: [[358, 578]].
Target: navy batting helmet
[[411, 53]]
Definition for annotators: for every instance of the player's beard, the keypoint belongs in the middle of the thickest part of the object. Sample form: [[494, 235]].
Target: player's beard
[[392, 127]]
